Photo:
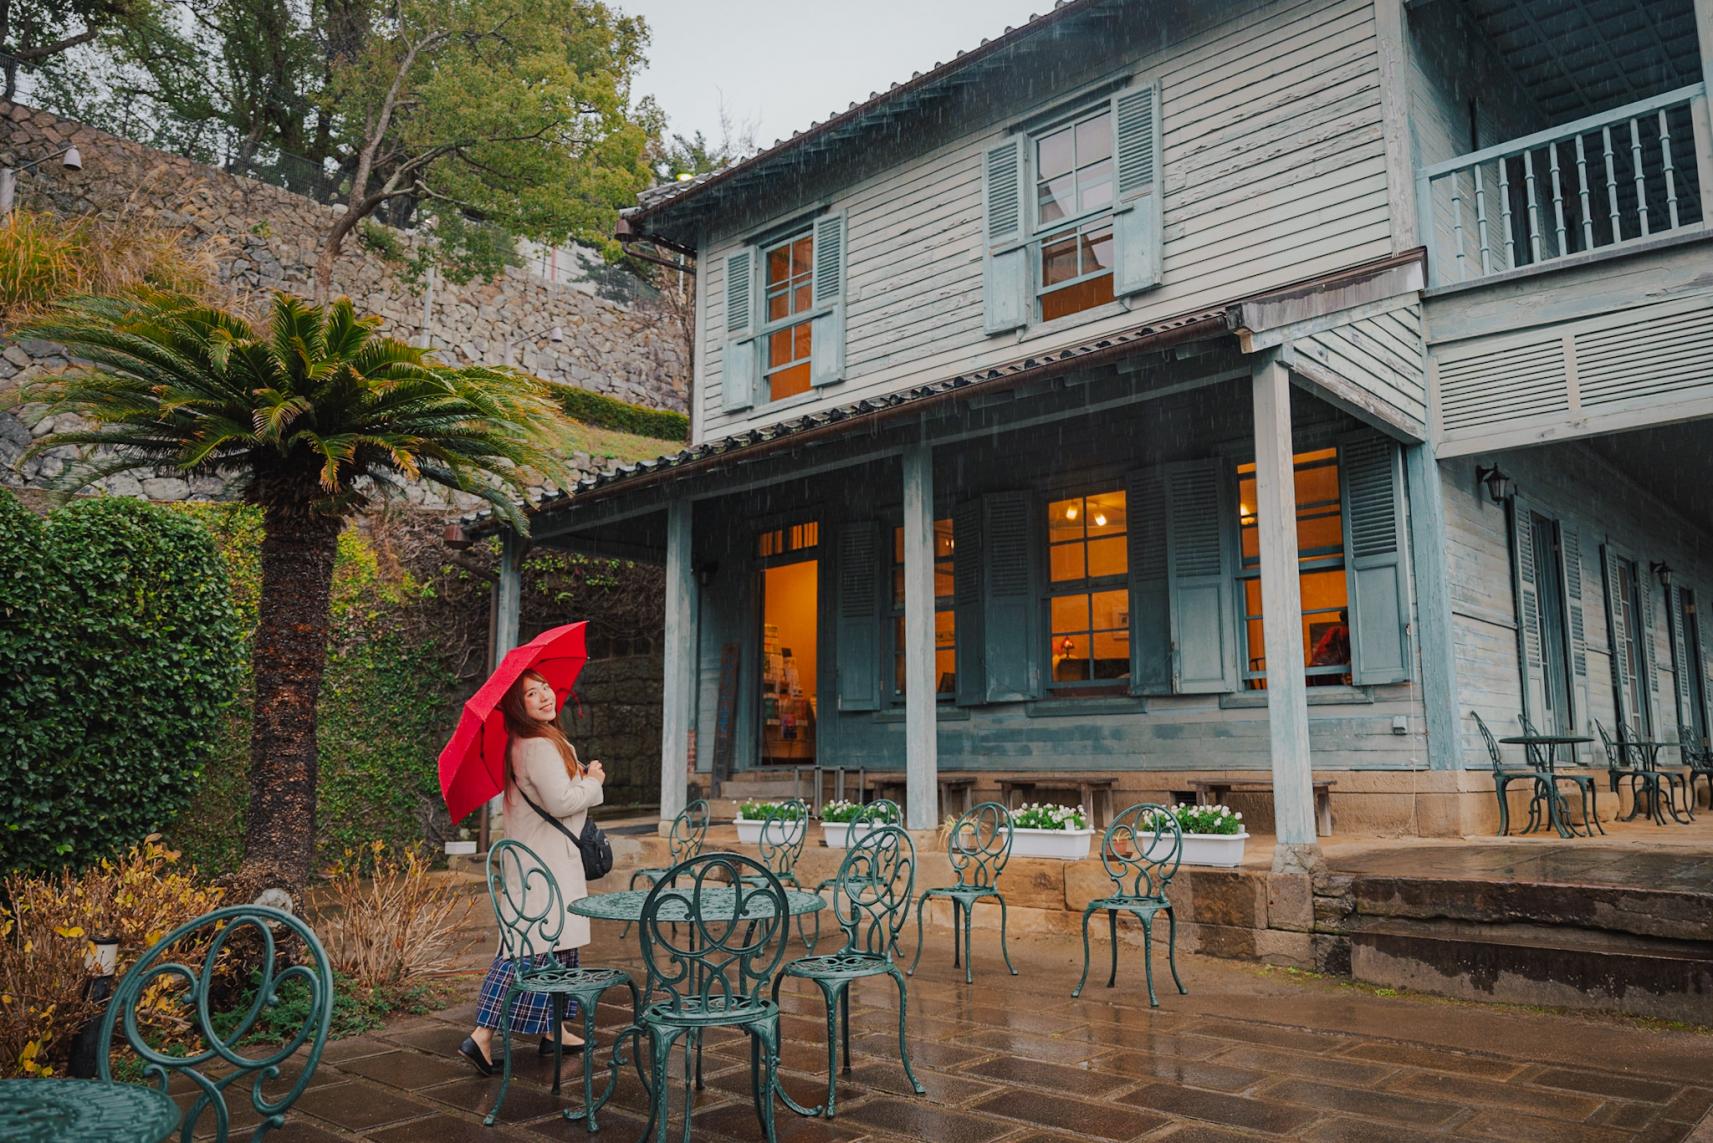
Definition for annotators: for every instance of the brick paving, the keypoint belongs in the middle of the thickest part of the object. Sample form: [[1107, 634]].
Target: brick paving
[[1248, 1054]]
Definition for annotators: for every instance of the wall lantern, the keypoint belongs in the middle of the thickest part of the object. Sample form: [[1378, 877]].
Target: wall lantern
[[1663, 571], [1500, 487]]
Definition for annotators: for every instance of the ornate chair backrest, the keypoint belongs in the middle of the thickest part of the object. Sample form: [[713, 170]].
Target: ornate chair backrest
[[1492, 743], [783, 835], [527, 901], [1689, 747], [979, 845], [261, 958], [1141, 850], [871, 895], [881, 811], [1537, 755], [711, 940], [1614, 757], [689, 829]]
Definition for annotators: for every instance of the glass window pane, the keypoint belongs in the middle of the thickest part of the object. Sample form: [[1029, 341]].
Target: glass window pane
[[1097, 250], [1065, 519], [1108, 556], [1053, 154], [1326, 641], [1251, 544], [1324, 590], [1252, 596], [898, 545], [1065, 562], [800, 301], [778, 265], [945, 624], [1111, 609], [800, 251], [1094, 138], [788, 382], [1058, 261], [1325, 533], [778, 306], [1316, 484], [942, 539], [1105, 514], [800, 334], [1111, 655], [1257, 646], [1054, 199], [944, 586], [946, 666], [1075, 299], [779, 347], [1094, 186], [898, 587], [1070, 613]]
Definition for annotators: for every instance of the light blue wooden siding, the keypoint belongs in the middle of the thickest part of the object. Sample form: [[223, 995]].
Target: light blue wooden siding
[[1274, 171], [1382, 356]]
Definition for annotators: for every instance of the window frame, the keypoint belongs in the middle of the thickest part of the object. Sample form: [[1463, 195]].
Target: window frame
[[893, 613], [1086, 587], [1071, 225], [767, 327], [1641, 677], [1320, 561]]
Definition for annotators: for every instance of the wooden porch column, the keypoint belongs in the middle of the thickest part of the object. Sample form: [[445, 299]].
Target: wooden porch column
[[508, 602], [920, 715], [678, 704], [1282, 620], [1433, 605]]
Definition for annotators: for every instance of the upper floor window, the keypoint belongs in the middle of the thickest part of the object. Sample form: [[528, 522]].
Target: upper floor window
[[1073, 203], [788, 297], [1088, 597]]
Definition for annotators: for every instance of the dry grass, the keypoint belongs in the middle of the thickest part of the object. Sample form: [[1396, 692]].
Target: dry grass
[[45, 260], [386, 924]]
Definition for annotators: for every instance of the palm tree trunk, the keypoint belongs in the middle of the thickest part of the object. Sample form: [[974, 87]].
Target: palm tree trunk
[[288, 660]]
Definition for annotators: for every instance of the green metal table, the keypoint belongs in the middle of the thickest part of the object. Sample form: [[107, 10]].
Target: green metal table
[[1557, 812], [56, 1110]]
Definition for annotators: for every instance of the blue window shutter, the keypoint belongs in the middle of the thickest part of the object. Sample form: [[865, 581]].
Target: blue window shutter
[[1150, 587], [1526, 594], [1137, 233], [1705, 650], [1010, 598], [1005, 260], [1374, 567], [1570, 544], [969, 649], [738, 362], [1680, 656], [1201, 565], [827, 331], [1645, 584], [1616, 633], [856, 638]]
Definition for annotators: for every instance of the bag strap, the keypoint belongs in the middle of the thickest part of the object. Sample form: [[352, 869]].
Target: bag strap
[[554, 822]]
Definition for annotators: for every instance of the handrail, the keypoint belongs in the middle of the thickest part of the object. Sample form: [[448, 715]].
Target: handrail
[[1514, 147]]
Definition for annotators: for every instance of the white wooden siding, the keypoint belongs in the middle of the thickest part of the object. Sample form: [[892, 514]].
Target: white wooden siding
[[1274, 169], [1382, 354]]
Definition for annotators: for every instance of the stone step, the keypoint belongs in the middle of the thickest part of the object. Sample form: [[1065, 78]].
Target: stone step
[[1524, 963], [1667, 910]]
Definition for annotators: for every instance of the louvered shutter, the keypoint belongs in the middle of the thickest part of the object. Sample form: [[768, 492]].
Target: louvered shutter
[[1680, 671], [1199, 560], [1150, 587], [738, 362], [1705, 650], [827, 330], [1616, 632], [857, 632], [1526, 599], [1570, 542], [1136, 219], [1010, 598], [969, 648], [1378, 588], [1650, 667], [1005, 261]]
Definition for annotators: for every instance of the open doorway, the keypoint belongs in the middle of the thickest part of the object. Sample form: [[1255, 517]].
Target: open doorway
[[790, 624]]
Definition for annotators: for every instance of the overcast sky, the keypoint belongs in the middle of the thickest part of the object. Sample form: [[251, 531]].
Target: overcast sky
[[782, 64]]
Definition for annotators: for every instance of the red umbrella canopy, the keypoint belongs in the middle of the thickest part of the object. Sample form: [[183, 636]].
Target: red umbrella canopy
[[473, 764]]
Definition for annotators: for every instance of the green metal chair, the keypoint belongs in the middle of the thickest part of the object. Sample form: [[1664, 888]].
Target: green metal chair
[[978, 847], [880, 812], [712, 975], [1697, 760], [871, 900], [204, 1046], [1540, 757], [1140, 852], [781, 842], [684, 841], [1504, 775], [531, 913], [1643, 781]]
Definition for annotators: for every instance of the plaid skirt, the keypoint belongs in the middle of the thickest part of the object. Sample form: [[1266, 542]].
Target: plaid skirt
[[532, 1013]]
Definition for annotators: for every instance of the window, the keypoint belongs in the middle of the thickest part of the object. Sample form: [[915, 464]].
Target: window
[[945, 620], [1693, 685], [784, 541], [1073, 222], [1320, 552], [1088, 597], [787, 300], [1635, 629]]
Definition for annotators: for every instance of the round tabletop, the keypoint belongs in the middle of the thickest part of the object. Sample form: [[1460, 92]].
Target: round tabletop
[[1546, 740], [52, 1110], [716, 905]]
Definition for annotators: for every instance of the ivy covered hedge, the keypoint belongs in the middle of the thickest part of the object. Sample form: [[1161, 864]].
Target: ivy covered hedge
[[604, 412], [119, 650]]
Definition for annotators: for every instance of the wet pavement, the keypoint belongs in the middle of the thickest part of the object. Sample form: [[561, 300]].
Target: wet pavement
[[1250, 1053]]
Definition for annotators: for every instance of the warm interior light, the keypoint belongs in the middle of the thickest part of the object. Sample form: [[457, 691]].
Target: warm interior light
[[1071, 512], [1243, 509], [1100, 519]]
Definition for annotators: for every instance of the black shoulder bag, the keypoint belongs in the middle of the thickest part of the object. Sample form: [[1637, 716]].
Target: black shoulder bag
[[593, 845]]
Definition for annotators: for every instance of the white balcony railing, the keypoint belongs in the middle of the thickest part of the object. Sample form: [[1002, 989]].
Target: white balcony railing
[[1636, 171]]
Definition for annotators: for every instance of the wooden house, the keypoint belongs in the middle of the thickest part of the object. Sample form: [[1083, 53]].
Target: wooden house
[[1173, 389]]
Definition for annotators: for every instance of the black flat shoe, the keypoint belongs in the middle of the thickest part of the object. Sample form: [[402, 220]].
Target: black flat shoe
[[471, 1052], [546, 1048]]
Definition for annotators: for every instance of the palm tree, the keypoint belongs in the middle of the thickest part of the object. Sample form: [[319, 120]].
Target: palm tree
[[316, 415]]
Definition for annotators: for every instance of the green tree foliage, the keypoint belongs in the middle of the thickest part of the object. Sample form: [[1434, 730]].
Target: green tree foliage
[[37, 32], [119, 649], [316, 416]]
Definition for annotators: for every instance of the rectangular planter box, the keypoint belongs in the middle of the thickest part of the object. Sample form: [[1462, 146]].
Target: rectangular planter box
[[1214, 849], [1061, 844], [837, 835], [779, 832]]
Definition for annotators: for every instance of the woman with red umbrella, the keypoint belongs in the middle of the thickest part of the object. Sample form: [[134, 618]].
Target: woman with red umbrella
[[543, 781]]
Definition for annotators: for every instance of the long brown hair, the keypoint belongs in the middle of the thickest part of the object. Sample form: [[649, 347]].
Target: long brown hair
[[519, 724]]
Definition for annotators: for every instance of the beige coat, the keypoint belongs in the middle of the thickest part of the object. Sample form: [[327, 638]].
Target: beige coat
[[540, 772]]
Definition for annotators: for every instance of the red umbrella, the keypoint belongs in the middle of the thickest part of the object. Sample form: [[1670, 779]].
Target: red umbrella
[[473, 764]]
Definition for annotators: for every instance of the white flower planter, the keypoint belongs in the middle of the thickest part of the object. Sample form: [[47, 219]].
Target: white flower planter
[[1214, 848], [1061, 844], [779, 831], [837, 835]]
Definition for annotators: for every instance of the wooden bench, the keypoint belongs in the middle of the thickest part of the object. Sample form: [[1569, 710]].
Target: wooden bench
[[1094, 791], [1214, 791], [957, 791]]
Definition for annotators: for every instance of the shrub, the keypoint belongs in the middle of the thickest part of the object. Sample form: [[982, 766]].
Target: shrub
[[767, 811], [385, 923], [119, 649], [605, 412], [839, 810], [1038, 816], [45, 260], [1208, 819]]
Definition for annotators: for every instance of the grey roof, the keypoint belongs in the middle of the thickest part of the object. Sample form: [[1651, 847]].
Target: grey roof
[[1184, 327]]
